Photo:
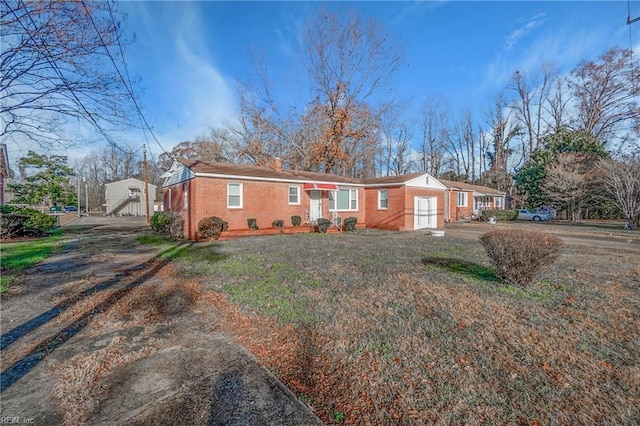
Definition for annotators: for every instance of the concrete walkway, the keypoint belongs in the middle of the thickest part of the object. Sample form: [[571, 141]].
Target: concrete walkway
[[71, 355]]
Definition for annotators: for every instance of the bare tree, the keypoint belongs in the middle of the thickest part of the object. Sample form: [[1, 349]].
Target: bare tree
[[461, 147], [204, 148], [119, 164], [394, 151], [54, 69], [349, 60], [336, 128], [556, 105], [606, 94], [110, 165], [569, 182], [622, 180], [434, 124], [529, 105], [503, 131]]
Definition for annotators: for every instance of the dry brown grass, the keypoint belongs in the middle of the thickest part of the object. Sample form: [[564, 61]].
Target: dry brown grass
[[77, 390], [78, 379], [393, 338]]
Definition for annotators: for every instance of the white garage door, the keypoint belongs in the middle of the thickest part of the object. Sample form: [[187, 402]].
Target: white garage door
[[425, 212]]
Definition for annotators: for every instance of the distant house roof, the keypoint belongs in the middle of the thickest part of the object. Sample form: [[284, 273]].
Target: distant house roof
[[129, 180], [485, 190], [392, 179], [242, 171]]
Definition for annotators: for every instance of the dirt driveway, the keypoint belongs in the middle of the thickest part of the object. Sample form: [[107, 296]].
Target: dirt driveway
[[601, 235], [99, 333]]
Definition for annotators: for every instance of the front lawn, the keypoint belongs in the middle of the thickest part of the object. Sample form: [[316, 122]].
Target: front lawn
[[15, 257], [404, 328]]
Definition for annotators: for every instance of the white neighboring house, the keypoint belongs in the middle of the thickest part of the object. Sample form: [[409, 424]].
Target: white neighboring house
[[127, 198]]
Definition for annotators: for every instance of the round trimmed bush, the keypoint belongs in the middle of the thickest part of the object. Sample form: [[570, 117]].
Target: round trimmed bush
[[518, 256], [210, 228], [171, 224], [278, 224], [323, 225], [350, 223]]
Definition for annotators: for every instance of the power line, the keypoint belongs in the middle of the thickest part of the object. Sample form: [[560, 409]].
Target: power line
[[127, 86], [629, 22], [54, 66], [126, 70]]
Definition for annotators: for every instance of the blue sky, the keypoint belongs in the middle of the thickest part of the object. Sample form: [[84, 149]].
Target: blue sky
[[188, 56]]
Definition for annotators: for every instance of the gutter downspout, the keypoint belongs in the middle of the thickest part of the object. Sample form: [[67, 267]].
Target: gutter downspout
[[192, 207], [447, 197]]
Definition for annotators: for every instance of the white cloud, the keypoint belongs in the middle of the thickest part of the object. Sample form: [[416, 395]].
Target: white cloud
[[185, 93], [561, 47], [528, 25], [415, 10]]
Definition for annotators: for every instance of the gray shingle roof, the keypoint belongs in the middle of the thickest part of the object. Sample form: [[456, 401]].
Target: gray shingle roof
[[199, 167], [470, 187]]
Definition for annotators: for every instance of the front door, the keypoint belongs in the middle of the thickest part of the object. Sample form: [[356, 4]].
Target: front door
[[425, 212], [315, 209]]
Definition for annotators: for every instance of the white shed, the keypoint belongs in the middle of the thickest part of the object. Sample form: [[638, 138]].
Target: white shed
[[127, 198]]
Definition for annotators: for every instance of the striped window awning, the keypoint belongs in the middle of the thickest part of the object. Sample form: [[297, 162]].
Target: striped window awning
[[321, 186]]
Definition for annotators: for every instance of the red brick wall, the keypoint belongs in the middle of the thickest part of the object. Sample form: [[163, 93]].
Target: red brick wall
[[391, 218], [400, 213], [457, 213], [263, 201], [174, 201], [410, 193]]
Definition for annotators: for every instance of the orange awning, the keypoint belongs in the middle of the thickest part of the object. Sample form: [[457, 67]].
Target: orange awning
[[321, 186]]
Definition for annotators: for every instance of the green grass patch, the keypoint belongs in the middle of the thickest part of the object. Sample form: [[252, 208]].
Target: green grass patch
[[540, 292], [154, 240], [271, 289], [463, 267], [16, 257], [197, 253]]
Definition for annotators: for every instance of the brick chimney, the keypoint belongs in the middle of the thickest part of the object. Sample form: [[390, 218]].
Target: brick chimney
[[277, 164]]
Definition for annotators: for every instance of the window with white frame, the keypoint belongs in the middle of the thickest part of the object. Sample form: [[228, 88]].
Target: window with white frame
[[234, 195], [497, 202], [462, 199], [383, 199], [294, 194], [343, 200]]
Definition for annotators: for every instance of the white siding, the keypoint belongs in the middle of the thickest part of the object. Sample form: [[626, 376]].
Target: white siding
[[119, 190]]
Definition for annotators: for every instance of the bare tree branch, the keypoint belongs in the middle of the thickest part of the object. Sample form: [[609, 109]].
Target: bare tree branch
[[55, 69]]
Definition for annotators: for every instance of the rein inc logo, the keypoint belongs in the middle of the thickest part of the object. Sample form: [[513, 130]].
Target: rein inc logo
[[15, 420]]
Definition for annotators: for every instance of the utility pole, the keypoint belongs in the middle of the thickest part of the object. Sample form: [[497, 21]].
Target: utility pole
[[86, 196], [146, 180], [78, 197]]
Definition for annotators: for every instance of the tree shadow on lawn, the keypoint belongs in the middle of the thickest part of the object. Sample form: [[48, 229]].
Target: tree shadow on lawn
[[140, 274], [463, 267]]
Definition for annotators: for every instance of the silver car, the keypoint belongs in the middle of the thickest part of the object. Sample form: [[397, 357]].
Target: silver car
[[524, 214]]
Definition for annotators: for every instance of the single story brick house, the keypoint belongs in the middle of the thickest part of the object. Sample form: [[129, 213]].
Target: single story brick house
[[236, 193], [405, 202], [464, 200]]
